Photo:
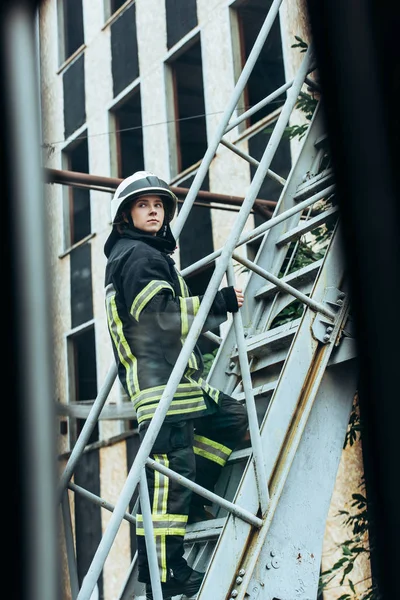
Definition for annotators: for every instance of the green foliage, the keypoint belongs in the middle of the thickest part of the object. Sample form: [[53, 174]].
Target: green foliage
[[358, 519], [299, 255], [208, 360], [307, 103], [300, 44]]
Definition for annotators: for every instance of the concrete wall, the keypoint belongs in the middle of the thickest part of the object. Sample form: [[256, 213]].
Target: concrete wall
[[229, 174]]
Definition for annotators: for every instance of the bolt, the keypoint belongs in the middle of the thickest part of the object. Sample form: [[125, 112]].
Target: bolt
[[272, 553], [232, 364], [327, 337], [242, 572], [275, 563], [341, 295], [339, 302], [268, 565], [329, 329], [234, 593], [239, 580]]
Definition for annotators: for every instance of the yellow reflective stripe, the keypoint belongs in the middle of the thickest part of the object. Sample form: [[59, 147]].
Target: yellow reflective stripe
[[147, 294], [182, 284], [123, 349], [189, 309], [163, 558], [163, 518], [207, 442], [164, 531], [148, 412], [209, 456], [154, 394], [163, 524], [212, 392], [161, 486], [184, 318]]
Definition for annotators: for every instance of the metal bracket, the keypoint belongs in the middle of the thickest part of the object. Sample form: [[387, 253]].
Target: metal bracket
[[323, 327]]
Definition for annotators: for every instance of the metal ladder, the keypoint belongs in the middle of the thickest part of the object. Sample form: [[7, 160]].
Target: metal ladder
[[297, 380]]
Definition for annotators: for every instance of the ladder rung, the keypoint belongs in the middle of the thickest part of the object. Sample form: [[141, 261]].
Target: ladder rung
[[260, 390], [305, 275], [268, 348], [314, 185], [205, 530], [239, 455], [321, 140], [306, 226], [273, 338]]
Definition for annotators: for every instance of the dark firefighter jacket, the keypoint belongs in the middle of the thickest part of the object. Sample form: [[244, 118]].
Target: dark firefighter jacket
[[149, 312]]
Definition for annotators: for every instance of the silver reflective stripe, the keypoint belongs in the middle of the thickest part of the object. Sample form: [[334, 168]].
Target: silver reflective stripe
[[147, 294], [211, 450]]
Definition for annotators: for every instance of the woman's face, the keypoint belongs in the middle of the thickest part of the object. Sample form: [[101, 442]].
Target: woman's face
[[147, 213]]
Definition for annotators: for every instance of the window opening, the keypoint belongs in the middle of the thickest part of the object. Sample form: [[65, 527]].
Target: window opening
[[79, 214], [189, 107], [70, 24], [181, 18], [268, 73], [129, 135]]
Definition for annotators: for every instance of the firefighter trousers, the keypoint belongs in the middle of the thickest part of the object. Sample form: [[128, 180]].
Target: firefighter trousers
[[196, 449]]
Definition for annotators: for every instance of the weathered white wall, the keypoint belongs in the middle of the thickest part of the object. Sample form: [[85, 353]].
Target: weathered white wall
[[229, 174]]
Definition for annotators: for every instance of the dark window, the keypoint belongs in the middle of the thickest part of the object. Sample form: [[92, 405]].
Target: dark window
[[181, 18], [115, 5], [124, 51], [87, 514], [268, 73], [79, 198], [196, 242], [74, 96], [73, 26], [281, 164], [85, 375], [128, 123], [81, 285], [190, 108]]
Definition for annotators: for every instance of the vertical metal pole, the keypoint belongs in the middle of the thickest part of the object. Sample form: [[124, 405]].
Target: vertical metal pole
[[259, 465], [27, 259], [149, 537]]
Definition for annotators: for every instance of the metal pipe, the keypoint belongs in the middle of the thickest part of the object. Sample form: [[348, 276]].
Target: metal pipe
[[258, 455], [110, 184], [275, 94], [313, 304], [87, 429], [243, 514], [260, 230], [192, 337], [99, 501], [149, 537], [252, 161]]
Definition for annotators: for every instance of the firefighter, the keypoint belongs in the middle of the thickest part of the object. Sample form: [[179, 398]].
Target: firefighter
[[149, 311]]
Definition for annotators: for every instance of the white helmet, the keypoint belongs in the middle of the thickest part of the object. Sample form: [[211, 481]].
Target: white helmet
[[138, 184]]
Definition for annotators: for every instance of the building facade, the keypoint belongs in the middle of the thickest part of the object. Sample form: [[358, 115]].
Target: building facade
[[127, 86]]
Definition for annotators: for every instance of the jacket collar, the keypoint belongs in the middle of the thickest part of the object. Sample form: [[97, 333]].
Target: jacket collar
[[164, 242]]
